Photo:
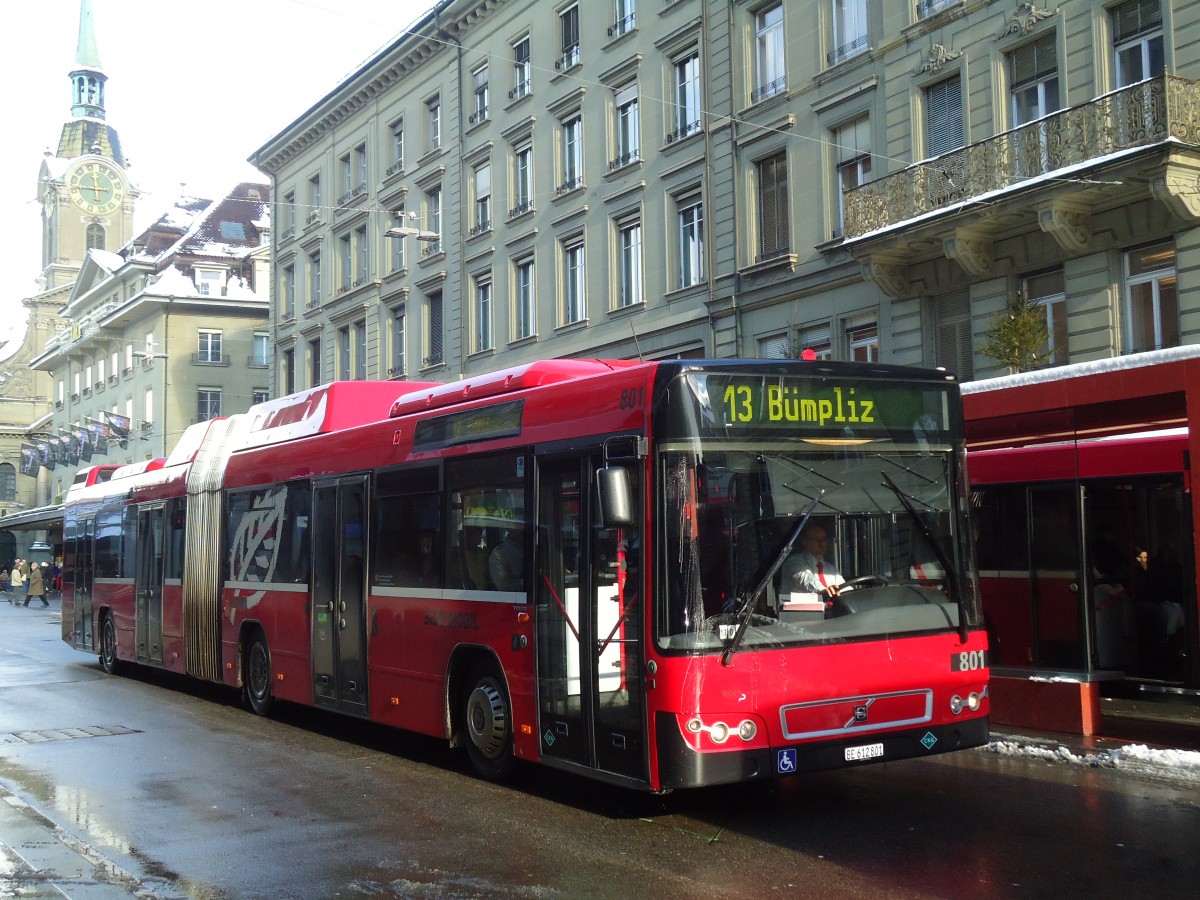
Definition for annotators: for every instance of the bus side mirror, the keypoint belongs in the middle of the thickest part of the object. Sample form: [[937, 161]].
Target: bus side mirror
[[616, 497]]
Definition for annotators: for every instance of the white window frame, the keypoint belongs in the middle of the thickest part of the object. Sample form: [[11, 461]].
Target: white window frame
[[524, 298], [687, 95], [690, 218], [481, 312], [1148, 290], [630, 288], [574, 276], [626, 130], [770, 60]]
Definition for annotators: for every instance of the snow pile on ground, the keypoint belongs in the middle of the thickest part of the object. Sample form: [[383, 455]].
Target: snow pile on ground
[[1175, 765]]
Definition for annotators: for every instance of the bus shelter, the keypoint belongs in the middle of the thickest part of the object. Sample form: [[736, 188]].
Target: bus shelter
[[1084, 521]]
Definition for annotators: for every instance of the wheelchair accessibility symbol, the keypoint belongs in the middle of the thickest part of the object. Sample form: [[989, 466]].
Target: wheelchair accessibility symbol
[[785, 761]]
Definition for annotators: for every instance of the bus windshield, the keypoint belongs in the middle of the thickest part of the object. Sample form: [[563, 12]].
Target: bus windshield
[[809, 532]]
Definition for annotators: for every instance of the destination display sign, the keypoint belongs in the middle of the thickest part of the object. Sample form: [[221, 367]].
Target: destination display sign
[[817, 406]]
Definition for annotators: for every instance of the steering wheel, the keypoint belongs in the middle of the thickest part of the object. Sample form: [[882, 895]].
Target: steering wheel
[[864, 581]]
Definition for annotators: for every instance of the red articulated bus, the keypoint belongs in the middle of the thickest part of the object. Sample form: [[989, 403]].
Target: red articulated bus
[[573, 562]]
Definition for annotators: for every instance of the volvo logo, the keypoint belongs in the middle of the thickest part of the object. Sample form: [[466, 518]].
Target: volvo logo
[[861, 712]]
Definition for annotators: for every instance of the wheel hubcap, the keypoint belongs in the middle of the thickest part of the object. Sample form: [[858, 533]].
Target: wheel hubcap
[[487, 720]]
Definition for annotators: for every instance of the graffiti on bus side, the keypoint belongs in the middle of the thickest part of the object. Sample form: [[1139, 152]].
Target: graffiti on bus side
[[254, 546]]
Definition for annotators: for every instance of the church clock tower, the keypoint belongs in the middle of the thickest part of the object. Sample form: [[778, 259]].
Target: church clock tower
[[87, 199]]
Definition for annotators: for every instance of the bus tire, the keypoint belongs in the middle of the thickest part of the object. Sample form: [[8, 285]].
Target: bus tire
[[487, 721], [108, 645], [256, 684]]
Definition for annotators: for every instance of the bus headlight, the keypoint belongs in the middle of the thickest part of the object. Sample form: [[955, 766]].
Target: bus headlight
[[719, 732], [974, 701], [956, 704], [747, 730]]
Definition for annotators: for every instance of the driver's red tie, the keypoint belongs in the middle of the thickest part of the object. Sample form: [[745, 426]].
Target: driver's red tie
[[821, 574]]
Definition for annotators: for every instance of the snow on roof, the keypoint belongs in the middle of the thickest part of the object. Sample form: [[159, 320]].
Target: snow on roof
[[1074, 370]]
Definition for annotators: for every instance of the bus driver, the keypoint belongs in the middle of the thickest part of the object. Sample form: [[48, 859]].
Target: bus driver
[[809, 571]]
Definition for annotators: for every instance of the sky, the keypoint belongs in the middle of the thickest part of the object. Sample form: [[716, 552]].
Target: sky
[[193, 90]]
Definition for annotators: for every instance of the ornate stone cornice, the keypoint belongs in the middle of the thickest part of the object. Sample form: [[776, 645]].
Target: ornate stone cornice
[[972, 250], [1024, 19], [1177, 186], [888, 273], [938, 57], [1070, 226]]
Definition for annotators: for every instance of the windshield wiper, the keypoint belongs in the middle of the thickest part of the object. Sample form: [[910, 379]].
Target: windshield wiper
[[749, 601], [926, 532]]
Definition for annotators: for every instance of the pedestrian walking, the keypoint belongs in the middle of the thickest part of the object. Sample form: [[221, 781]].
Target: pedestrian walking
[[5, 583], [16, 579], [37, 585]]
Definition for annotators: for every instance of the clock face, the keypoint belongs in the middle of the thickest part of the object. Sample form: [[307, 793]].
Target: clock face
[[96, 188]]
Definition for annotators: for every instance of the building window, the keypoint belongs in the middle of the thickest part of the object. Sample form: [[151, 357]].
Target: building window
[[479, 84], [815, 339], [574, 286], [210, 346], [1137, 40], [769, 64], [627, 142], [482, 313], [433, 330], [362, 256], [524, 312], [314, 279], [347, 167], [360, 170], [345, 358], [360, 351], [95, 237], [521, 69], [260, 349], [288, 214], [398, 366], [483, 198], [259, 395], [289, 292], [774, 346], [397, 164], [1151, 305], [629, 262], [852, 144], [208, 404], [1033, 80], [1048, 291], [522, 181], [8, 482], [571, 133], [943, 117], [569, 20], [314, 198], [210, 283], [433, 123], [315, 375], [433, 220], [773, 209], [346, 258], [396, 244], [688, 100], [849, 30], [625, 20], [950, 317], [862, 339], [287, 371], [691, 242]]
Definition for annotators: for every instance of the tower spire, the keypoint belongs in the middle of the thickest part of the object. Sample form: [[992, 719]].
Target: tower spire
[[86, 132], [87, 78]]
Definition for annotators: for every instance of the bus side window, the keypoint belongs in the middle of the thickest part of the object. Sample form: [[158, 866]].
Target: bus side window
[[486, 549]]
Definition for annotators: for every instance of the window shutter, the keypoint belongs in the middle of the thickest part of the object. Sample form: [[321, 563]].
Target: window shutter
[[943, 116], [1133, 17], [952, 313], [1033, 61]]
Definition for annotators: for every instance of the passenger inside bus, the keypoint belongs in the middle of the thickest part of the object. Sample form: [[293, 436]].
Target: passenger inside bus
[[507, 562]]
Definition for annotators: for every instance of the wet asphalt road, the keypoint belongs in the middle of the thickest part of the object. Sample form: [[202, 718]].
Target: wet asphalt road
[[156, 786]]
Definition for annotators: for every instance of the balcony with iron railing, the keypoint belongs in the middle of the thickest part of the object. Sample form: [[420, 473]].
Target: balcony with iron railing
[[1067, 143]]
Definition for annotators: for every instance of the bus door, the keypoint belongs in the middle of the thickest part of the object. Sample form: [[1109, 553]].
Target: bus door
[[1059, 590], [81, 571], [339, 635], [148, 586], [589, 625]]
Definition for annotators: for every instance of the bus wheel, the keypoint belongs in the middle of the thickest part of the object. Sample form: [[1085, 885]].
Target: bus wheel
[[108, 646], [488, 722], [257, 679]]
